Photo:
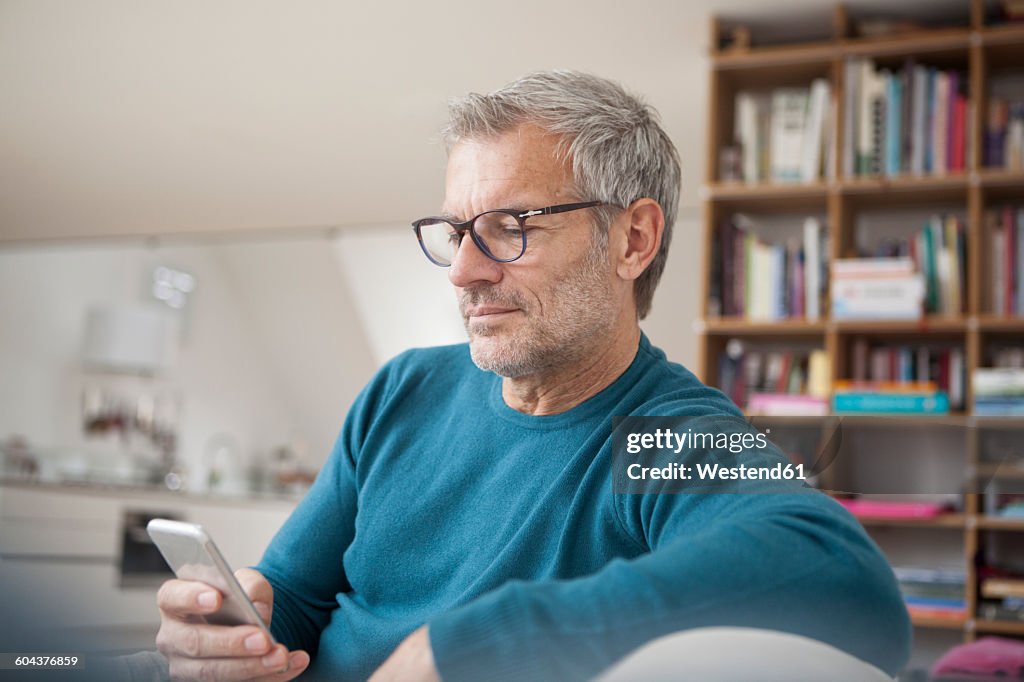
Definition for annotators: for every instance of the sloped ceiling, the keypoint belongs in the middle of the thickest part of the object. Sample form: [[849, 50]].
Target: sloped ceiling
[[136, 116]]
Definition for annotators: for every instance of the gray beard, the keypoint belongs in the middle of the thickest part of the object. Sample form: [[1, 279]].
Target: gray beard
[[586, 317]]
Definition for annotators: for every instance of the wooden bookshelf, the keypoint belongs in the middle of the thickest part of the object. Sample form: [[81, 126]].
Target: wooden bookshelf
[[938, 623], [1001, 627], [977, 49], [951, 520]]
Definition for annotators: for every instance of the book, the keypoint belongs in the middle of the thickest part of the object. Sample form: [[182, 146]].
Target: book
[[852, 70], [884, 509], [893, 124], [812, 271], [874, 402], [788, 121], [940, 123], [747, 135], [814, 131], [918, 124], [876, 288], [1002, 587], [786, 404]]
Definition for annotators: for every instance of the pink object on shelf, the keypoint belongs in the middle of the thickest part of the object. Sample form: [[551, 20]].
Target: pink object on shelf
[[787, 405], [996, 658], [877, 509]]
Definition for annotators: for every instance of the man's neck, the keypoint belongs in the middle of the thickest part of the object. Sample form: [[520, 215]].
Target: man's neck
[[562, 389]]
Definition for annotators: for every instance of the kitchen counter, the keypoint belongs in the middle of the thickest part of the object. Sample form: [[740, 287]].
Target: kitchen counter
[[123, 487]]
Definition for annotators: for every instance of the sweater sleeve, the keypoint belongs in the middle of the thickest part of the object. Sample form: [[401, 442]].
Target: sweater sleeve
[[304, 560], [794, 562]]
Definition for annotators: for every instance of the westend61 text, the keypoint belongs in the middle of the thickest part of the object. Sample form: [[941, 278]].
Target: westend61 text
[[717, 472]]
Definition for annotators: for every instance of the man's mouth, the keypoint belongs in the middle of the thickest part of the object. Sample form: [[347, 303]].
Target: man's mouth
[[487, 311]]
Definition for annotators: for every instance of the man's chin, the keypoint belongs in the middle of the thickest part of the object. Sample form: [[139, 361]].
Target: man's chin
[[492, 355]]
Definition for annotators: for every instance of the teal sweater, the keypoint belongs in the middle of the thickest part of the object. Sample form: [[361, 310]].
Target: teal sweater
[[441, 505]]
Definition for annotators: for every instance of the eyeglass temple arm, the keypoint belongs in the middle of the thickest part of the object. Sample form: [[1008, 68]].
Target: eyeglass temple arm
[[550, 210]]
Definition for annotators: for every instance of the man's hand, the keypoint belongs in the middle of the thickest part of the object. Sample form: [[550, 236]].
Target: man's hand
[[196, 650], [412, 661]]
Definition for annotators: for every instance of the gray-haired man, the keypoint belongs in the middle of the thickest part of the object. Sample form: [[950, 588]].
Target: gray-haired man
[[468, 500]]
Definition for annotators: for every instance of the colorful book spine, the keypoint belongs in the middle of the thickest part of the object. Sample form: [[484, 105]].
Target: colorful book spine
[[911, 120], [855, 402]]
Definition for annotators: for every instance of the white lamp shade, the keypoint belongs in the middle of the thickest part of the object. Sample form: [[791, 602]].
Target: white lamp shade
[[130, 338]]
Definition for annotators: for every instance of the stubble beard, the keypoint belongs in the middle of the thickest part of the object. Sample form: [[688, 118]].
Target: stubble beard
[[579, 317]]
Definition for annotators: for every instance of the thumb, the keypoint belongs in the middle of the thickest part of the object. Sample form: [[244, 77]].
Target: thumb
[[259, 591]]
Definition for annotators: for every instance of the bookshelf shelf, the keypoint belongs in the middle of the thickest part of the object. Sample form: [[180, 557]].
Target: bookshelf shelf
[[1005, 627], [998, 177], [1011, 35], [857, 215], [742, 325], [944, 521], [770, 57], [908, 44], [920, 621], [908, 187], [1000, 323], [924, 325], [878, 421], [727, 191], [997, 523]]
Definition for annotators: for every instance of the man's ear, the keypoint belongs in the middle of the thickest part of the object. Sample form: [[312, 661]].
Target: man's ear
[[638, 237]]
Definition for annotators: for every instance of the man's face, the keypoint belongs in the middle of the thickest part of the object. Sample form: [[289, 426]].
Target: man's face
[[553, 306]]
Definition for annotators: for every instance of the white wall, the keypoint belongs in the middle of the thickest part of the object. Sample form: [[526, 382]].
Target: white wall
[[403, 300]]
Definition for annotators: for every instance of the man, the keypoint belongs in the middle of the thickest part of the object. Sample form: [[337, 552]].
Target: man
[[465, 525]]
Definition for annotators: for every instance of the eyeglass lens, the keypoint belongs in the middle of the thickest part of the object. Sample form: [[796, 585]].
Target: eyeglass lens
[[499, 235]]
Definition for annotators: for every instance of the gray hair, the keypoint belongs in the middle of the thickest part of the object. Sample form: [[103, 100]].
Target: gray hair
[[619, 152]]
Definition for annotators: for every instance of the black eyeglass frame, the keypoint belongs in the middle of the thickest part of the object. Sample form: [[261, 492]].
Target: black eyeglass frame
[[520, 216]]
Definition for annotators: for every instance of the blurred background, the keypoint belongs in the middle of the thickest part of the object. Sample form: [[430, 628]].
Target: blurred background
[[205, 248]]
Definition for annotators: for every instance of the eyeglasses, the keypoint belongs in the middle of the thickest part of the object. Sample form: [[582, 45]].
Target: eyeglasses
[[499, 234]]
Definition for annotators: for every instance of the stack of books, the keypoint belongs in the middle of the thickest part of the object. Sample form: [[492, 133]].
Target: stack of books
[[1004, 134], [913, 120], [998, 392], [783, 135], [933, 592], [759, 280], [876, 288], [901, 278], [1002, 598], [922, 370], [774, 382], [1006, 230], [888, 397]]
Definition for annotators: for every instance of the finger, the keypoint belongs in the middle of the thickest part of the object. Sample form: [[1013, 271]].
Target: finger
[[274, 665], [191, 640], [182, 598], [298, 661]]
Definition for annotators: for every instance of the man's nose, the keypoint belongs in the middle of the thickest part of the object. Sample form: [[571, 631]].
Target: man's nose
[[471, 265]]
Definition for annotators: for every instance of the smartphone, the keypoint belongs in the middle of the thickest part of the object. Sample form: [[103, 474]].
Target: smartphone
[[192, 555]]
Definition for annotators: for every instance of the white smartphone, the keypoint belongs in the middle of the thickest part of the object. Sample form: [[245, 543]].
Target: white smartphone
[[192, 555]]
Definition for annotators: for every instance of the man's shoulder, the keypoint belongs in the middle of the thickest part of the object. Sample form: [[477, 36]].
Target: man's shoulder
[[669, 389]]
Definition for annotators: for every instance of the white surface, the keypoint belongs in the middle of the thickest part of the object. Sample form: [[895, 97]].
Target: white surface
[[740, 655], [60, 551]]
